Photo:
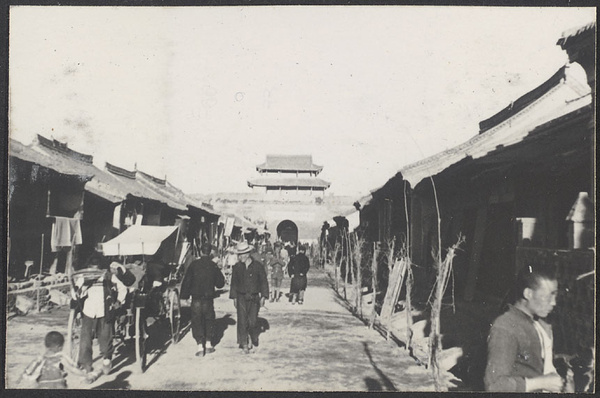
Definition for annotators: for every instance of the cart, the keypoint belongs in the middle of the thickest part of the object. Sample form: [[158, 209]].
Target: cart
[[132, 318]]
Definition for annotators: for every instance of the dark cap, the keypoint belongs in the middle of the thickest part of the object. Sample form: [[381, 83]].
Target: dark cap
[[96, 259], [206, 248]]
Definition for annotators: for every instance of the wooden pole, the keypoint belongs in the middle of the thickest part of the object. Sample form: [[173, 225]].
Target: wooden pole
[[39, 282], [342, 259], [358, 279], [335, 272], [474, 260], [373, 285], [348, 260], [409, 283]]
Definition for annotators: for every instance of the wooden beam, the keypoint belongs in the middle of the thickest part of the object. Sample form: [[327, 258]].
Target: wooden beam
[[475, 259]]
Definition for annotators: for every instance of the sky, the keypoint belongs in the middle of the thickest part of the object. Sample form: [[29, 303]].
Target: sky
[[202, 94]]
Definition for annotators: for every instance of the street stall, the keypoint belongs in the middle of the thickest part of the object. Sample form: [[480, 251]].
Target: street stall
[[150, 300]]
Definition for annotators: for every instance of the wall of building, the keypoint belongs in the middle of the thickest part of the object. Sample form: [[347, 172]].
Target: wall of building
[[307, 215]]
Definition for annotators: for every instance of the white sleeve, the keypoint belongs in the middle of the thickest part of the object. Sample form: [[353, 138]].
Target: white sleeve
[[121, 289]]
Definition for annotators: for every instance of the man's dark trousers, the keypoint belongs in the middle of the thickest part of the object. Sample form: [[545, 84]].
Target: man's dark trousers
[[247, 318], [203, 319], [101, 329]]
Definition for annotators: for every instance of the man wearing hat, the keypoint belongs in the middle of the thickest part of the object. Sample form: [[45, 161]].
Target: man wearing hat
[[249, 289], [200, 281]]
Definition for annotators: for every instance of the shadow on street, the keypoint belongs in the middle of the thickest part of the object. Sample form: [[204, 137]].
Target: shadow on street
[[119, 383], [221, 324], [371, 383]]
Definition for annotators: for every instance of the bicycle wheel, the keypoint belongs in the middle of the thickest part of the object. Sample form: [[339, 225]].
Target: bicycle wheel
[[140, 340], [73, 334], [174, 315]]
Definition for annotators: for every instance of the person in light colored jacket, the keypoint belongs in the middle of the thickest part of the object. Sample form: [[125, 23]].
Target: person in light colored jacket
[[520, 349]]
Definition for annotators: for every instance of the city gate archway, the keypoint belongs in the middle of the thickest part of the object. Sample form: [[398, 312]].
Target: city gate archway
[[287, 231]]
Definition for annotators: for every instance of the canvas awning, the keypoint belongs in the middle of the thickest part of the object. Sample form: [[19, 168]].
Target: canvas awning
[[138, 239], [353, 220]]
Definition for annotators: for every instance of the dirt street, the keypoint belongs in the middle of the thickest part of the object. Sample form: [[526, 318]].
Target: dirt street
[[318, 346]]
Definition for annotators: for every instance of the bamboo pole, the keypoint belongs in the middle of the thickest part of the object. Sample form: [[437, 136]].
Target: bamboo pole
[[335, 268], [357, 259], [435, 337], [344, 258], [40, 274], [349, 267], [373, 285], [409, 276], [390, 260], [409, 284]]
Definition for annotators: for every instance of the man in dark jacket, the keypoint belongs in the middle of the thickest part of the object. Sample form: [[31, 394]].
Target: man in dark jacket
[[249, 289], [200, 281], [297, 269]]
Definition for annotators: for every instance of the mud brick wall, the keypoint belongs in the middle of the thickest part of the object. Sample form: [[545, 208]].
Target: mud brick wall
[[573, 317]]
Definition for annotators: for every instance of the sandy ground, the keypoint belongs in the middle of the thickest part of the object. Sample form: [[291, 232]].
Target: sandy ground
[[318, 346]]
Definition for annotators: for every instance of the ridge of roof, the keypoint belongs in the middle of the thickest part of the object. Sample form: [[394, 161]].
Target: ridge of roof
[[120, 171], [50, 159], [289, 182], [157, 180], [289, 163], [523, 101], [63, 148]]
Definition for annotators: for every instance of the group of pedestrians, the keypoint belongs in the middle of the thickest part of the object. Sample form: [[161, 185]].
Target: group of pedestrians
[[100, 299], [520, 344], [248, 280]]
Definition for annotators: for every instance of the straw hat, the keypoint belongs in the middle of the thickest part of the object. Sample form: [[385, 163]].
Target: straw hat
[[243, 247]]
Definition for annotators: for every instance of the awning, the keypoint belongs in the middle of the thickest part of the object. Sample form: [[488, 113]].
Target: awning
[[353, 220], [136, 240]]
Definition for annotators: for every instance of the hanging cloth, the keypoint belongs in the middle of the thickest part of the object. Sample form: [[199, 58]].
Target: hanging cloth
[[117, 217], [65, 232]]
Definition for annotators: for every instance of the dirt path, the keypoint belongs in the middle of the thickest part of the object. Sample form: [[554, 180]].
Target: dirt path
[[318, 346]]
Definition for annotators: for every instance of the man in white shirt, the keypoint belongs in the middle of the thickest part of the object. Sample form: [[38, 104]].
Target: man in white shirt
[[100, 297]]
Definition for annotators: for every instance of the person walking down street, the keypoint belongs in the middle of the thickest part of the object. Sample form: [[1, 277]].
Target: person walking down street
[[520, 354], [230, 260], [297, 269], [276, 271], [249, 289], [99, 300], [199, 282], [284, 255]]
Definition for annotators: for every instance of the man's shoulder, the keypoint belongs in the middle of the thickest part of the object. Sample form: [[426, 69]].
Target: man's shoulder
[[256, 264], [511, 319]]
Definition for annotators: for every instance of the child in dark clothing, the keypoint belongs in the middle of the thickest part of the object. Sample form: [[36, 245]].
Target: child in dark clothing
[[48, 370]]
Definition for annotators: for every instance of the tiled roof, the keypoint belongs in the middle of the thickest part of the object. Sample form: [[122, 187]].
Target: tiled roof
[[113, 183], [289, 182], [522, 102], [60, 163], [289, 163], [572, 33], [64, 149], [558, 101]]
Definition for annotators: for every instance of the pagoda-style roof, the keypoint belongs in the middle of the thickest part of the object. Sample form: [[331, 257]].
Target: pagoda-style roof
[[289, 182], [289, 163]]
